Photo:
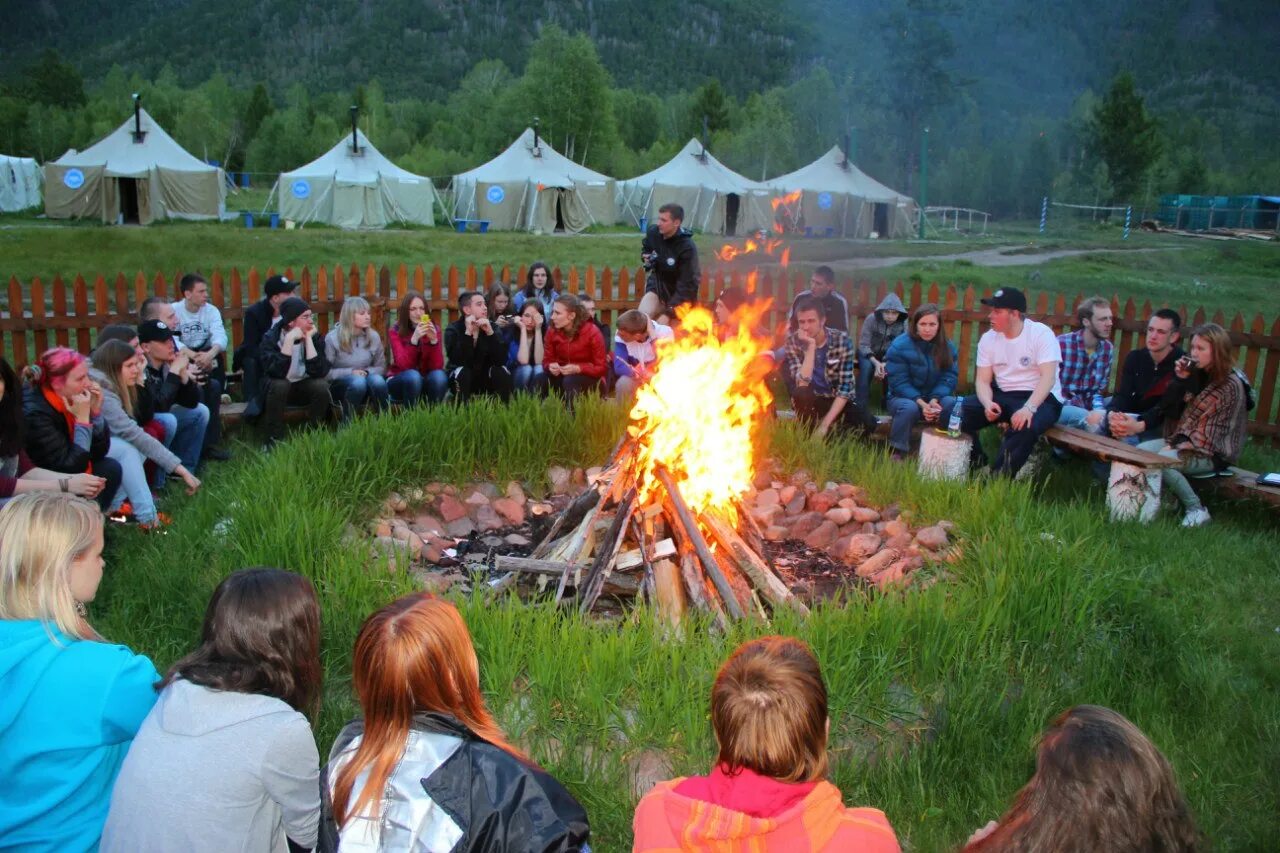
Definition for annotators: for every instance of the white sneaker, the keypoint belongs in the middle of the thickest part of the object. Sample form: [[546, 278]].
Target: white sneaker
[[1196, 517]]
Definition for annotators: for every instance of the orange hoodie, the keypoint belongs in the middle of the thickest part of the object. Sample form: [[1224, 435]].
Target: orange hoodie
[[667, 821]]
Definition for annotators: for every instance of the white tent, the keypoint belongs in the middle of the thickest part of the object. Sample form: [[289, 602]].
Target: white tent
[[837, 195], [137, 173], [716, 199], [531, 187], [355, 189], [19, 183]]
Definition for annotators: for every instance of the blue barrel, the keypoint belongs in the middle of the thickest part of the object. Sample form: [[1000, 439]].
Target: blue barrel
[[644, 223], [244, 180], [248, 219], [275, 220]]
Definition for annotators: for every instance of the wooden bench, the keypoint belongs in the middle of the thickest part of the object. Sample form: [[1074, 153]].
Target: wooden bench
[[481, 224], [1241, 484], [233, 414], [1133, 487]]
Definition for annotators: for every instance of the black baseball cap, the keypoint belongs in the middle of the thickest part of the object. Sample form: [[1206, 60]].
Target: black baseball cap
[[1007, 297], [154, 330], [278, 284]]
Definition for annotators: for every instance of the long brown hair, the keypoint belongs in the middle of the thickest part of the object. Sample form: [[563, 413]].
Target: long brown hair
[[403, 324], [413, 655], [109, 358], [769, 711], [261, 635], [1099, 784], [1220, 345], [941, 351], [579, 311]]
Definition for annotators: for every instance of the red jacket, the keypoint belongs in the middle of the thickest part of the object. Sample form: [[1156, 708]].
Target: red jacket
[[749, 813], [423, 358], [586, 349]]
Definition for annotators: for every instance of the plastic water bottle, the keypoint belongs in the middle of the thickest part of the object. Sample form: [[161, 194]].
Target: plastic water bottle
[[1101, 407], [953, 425]]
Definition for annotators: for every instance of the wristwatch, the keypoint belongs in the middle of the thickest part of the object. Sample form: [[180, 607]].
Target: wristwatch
[[1030, 408]]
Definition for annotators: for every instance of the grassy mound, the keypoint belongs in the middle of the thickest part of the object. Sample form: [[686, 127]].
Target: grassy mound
[[938, 696]]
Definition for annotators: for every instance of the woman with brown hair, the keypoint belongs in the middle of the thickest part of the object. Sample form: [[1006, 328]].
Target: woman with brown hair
[[427, 768], [922, 373], [767, 791], [1099, 784], [574, 351], [1210, 434], [226, 759], [417, 354]]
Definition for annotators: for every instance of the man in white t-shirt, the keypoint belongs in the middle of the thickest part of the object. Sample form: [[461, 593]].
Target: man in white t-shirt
[[1016, 382]]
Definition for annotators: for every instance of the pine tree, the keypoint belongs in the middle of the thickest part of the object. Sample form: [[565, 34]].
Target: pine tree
[[1125, 137]]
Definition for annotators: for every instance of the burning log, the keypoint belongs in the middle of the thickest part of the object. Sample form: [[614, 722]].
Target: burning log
[[603, 565], [708, 560], [769, 585]]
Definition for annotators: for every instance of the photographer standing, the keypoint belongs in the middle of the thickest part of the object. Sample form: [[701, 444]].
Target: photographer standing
[[671, 260], [477, 353]]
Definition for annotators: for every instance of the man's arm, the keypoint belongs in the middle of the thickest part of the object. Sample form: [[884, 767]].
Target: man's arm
[[982, 385], [217, 330]]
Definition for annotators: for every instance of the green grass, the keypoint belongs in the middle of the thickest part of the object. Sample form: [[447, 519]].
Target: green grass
[[937, 697]]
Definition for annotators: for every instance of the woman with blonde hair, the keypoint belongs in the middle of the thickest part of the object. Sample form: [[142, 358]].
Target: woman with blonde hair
[[126, 406], [427, 768], [767, 791], [72, 701], [574, 352], [357, 361], [1100, 784], [1210, 434]]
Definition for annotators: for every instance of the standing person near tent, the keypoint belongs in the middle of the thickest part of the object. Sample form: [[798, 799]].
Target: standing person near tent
[[537, 284], [200, 329], [671, 260]]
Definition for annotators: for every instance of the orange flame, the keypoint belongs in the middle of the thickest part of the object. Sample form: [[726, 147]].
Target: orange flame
[[787, 200], [698, 414]]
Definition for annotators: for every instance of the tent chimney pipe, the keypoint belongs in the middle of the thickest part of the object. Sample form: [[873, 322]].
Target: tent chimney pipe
[[847, 142], [536, 122], [704, 138], [137, 117], [355, 117]]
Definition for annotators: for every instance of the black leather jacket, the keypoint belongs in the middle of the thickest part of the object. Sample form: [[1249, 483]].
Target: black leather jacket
[[486, 799], [48, 440], [673, 273]]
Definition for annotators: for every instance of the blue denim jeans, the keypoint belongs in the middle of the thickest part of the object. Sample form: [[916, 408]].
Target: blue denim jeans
[[1017, 444], [188, 434], [354, 393], [133, 481], [528, 377], [906, 414], [862, 386]]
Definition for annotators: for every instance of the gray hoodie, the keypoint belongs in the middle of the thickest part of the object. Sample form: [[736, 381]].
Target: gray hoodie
[[125, 428], [876, 335], [214, 770], [366, 354]]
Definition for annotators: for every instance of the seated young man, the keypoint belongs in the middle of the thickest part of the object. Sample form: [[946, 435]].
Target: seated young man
[[821, 364], [767, 791], [168, 376], [1137, 412], [634, 352], [477, 353], [1016, 382], [1085, 371], [294, 368]]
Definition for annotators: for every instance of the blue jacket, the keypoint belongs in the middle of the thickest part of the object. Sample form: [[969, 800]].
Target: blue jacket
[[69, 711], [913, 374]]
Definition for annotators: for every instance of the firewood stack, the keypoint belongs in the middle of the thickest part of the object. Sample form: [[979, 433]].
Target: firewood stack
[[609, 540]]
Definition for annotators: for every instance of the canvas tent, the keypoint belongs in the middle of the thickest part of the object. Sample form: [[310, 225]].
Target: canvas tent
[[531, 187], [137, 173], [716, 199], [357, 188], [19, 183], [837, 195]]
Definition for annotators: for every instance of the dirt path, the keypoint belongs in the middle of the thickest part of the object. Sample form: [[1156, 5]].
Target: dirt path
[[1003, 256]]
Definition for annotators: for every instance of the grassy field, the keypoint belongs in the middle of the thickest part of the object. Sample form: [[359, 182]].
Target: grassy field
[[1232, 276], [937, 695]]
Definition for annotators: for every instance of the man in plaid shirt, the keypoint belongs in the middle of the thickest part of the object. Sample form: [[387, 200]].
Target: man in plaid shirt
[[1087, 356], [820, 363]]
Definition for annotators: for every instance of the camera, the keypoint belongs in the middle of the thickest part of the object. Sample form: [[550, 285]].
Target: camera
[[649, 259]]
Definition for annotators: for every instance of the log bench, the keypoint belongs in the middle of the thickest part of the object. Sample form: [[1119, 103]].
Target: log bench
[[1133, 486], [233, 414], [1243, 484]]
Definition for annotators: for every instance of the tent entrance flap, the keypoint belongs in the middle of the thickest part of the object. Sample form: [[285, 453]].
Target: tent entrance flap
[[128, 190], [880, 219], [732, 202]]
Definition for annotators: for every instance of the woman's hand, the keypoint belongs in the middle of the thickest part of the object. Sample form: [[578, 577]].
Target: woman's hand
[[95, 399], [555, 369], [80, 406], [85, 485], [188, 479]]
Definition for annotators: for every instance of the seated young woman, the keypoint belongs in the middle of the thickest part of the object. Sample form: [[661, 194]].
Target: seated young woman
[[417, 354], [427, 760], [502, 310], [922, 375], [357, 361], [1099, 784], [539, 285], [126, 406], [574, 359], [18, 475], [767, 791], [528, 349], [226, 760], [1210, 433], [65, 429], [294, 368], [73, 701]]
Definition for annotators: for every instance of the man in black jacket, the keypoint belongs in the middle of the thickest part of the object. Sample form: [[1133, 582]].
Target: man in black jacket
[[671, 258], [294, 368], [174, 392], [1137, 412], [477, 356], [258, 320]]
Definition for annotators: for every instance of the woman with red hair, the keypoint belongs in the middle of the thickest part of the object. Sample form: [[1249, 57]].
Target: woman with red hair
[[65, 429], [427, 768]]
